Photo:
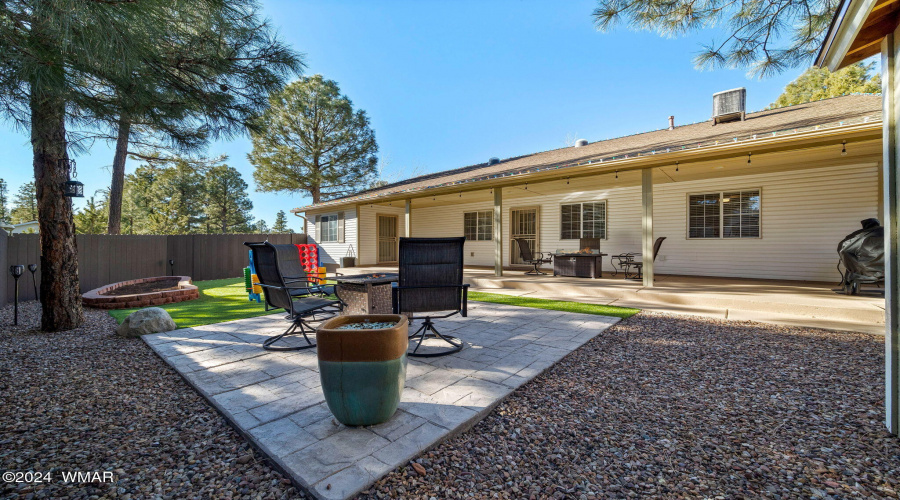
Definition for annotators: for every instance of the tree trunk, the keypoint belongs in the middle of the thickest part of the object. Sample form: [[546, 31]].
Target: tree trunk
[[60, 290], [117, 187]]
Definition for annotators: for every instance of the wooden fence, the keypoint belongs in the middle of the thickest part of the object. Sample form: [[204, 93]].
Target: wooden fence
[[104, 259]]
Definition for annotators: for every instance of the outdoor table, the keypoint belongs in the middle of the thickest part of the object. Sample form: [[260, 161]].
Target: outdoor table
[[366, 293], [580, 265]]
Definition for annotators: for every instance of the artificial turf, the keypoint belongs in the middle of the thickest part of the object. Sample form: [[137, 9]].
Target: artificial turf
[[554, 305], [226, 300], [220, 300]]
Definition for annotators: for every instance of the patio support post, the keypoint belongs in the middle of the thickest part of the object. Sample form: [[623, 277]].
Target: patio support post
[[647, 225], [408, 217], [891, 185], [498, 231]]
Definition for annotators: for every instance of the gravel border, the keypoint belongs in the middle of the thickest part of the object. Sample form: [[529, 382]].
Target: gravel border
[[671, 406], [89, 401]]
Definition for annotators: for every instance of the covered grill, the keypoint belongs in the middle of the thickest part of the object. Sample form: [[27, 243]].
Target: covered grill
[[862, 256]]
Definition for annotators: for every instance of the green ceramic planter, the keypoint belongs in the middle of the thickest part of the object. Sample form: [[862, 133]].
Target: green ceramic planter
[[363, 371]]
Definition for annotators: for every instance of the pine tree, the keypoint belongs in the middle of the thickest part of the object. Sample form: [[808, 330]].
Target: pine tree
[[24, 205], [92, 218], [4, 209], [261, 227], [280, 225], [310, 141], [227, 203], [816, 84]]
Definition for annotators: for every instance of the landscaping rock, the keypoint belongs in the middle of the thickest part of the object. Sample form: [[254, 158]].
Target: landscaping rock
[[149, 320]]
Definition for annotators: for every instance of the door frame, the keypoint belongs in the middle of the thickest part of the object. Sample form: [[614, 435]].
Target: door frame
[[537, 232], [378, 238]]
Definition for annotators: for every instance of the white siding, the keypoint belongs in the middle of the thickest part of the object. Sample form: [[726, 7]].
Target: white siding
[[368, 215], [805, 214], [331, 252]]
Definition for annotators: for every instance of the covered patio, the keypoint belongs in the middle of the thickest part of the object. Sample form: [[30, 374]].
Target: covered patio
[[797, 303]]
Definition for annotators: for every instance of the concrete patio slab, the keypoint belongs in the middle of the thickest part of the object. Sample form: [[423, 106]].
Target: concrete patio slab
[[275, 398]]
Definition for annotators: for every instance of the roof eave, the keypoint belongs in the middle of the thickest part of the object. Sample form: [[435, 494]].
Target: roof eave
[[872, 127], [845, 27]]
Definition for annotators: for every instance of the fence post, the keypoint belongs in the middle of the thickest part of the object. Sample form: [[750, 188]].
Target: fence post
[[4, 261]]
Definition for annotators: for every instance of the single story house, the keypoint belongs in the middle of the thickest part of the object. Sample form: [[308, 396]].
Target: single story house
[[767, 194], [31, 227]]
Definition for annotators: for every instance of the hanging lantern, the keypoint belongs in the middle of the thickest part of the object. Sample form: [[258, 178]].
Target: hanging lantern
[[71, 188]]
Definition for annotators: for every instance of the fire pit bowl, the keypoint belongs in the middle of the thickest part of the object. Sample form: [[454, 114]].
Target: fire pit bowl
[[362, 364], [143, 292]]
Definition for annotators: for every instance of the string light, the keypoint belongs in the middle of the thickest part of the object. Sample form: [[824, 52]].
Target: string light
[[617, 174], [460, 194], [748, 158], [567, 180], [843, 148], [676, 166], [526, 186]]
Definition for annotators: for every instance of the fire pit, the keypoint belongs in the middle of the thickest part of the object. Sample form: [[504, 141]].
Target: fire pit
[[366, 293], [143, 292]]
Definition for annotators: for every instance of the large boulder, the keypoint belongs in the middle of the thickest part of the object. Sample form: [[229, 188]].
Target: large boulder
[[144, 321]]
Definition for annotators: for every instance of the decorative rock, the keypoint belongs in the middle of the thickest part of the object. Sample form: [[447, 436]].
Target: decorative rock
[[149, 320]]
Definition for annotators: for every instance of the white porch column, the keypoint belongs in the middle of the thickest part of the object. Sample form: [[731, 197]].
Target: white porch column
[[498, 231], [408, 217], [890, 91], [647, 224]]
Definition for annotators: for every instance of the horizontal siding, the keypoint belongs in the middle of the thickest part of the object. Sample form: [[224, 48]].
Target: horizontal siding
[[331, 252], [804, 216]]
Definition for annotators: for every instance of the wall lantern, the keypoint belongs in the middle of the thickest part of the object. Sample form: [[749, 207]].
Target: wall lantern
[[71, 188]]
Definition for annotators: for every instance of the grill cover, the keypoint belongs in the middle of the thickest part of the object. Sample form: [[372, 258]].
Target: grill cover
[[862, 254]]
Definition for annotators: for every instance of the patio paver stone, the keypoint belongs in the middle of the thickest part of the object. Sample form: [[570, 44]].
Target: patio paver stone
[[275, 398]]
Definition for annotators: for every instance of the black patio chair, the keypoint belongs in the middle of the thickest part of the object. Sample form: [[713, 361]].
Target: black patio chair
[[529, 257], [431, 281], [278, 291], [294, 274], [630, 263]]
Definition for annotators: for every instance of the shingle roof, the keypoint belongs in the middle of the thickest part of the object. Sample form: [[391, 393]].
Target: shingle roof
[[835, 111]]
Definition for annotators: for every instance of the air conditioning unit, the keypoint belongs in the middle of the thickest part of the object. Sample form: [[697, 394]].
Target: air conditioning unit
[[729, 105]]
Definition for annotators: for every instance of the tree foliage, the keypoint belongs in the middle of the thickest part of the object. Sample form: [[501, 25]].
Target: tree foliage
[[4, 199], [816, 84], [311, 141], [24, 205], [92, 218], [227, 203], [280, 225], [766, 37]]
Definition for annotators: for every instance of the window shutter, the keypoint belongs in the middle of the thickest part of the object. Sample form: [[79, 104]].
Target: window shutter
[[340, 227], [319, 227]]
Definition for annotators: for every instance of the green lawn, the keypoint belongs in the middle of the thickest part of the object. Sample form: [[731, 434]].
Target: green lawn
[[226, 300], [220, 300], [554, 305]]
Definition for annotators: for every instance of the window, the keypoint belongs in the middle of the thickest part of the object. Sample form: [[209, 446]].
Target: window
[[479, 226], [728, 214], [583, 220], [329, 227]]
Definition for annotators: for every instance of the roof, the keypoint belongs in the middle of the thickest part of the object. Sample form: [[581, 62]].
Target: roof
[[856, 31], [856, 108]]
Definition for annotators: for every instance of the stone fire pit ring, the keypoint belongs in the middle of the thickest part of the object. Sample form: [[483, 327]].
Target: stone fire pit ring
[[100, 298]]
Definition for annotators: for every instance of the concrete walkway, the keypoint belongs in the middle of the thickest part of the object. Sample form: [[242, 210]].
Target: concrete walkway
[[275, 398]]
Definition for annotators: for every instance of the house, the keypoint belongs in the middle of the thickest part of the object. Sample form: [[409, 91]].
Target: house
[[860, 29], [766, 196], [24, 227]]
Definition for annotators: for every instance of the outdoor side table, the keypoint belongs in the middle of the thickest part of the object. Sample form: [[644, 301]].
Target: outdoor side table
[[366, 293], [580, 265]]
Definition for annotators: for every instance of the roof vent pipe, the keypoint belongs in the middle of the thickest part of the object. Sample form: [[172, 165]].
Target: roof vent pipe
[[671, 123], [581, 142], [494, 161]]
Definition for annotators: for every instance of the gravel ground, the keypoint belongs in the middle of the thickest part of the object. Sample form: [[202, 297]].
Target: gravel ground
[[678, 407], [88, 401]]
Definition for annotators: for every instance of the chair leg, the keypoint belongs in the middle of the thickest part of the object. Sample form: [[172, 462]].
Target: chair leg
[[427, 330], [292, 330], [535, 271]]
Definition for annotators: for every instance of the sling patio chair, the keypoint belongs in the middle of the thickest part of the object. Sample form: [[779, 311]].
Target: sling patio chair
[[626, 262], [301, 311], [294, 273], [529, 257], [431, 281]]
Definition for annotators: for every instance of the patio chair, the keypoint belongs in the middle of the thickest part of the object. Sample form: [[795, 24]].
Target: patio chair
[[431, 281], [630, 263], [295, 274], [529, 257], [278, 295]]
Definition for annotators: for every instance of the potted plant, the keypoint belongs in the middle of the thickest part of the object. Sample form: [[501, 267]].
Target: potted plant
[[362, 364]]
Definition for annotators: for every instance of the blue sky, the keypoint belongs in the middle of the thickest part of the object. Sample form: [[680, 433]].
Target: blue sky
[[452, 83]]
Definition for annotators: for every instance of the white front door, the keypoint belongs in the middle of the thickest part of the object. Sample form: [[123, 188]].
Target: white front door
[[387, 238], [523, 225]]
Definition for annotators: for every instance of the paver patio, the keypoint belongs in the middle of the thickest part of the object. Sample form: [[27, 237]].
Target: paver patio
[[275, 398]]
